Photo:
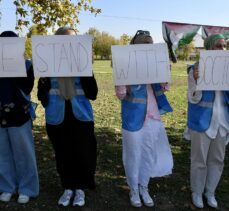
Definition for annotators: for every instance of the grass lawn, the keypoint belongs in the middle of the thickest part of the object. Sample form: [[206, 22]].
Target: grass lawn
[[169, 193]]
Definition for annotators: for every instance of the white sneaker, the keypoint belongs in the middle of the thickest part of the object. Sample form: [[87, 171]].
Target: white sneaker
[[197, 200], [5, 197], [135, 200], [23, 199], [144, 193], [65, 198], [79, 199], [211, 200]]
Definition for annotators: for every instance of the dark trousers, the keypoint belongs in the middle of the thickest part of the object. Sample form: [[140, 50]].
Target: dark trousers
[[75, 146]]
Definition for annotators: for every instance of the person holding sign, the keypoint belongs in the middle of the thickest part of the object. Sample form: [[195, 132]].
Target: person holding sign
[[18, 168], [208, 130], [70, 127], [146, 150]]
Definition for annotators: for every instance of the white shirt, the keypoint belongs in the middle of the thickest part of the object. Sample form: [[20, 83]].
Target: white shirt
[[220, 116]]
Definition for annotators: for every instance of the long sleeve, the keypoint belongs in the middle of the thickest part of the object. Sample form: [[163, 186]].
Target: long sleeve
[[44, 86], [90, 87], [194, 96], [14, 109], [26, 84]]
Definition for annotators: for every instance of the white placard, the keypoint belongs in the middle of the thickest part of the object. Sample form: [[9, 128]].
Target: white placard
[[140, 64], [213, 70], [62, 55], [12, 62]]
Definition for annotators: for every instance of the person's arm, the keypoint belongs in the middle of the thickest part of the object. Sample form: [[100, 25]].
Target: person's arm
[[26, 84], [164, 86], [44, 86], [121, 91], [194, 96], [90, 87]]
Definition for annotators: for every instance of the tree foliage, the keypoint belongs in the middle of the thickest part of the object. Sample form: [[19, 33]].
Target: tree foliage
[[184, 51], [106, 41], [95, 34], [33, 30], [125, 39], [102, 42], [50, 13]]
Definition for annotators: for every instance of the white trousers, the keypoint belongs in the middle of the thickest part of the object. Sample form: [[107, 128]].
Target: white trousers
[[146, 153], [207, 162]]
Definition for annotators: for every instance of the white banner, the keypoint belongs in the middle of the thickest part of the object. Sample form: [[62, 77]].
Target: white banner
[[62, 55], [213, 70], [140, 64], [12, 62]]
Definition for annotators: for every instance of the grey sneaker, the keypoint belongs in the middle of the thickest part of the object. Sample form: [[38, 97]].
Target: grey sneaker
[[79, 199], [65, 198], [135, 200], [211, 201], [5, 197], [144, 193], [197, 200], [23, 199]]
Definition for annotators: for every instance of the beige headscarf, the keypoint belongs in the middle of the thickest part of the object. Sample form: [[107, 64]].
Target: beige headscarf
[[66, 84]]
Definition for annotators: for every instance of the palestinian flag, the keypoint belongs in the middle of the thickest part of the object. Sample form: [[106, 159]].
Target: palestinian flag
[[178, 34], [208, 30]]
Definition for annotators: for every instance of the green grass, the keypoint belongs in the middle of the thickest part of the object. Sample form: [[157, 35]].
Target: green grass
[[170, 193]]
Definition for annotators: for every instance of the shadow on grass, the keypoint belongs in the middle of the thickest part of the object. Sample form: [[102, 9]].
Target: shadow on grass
[[170, 193]]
